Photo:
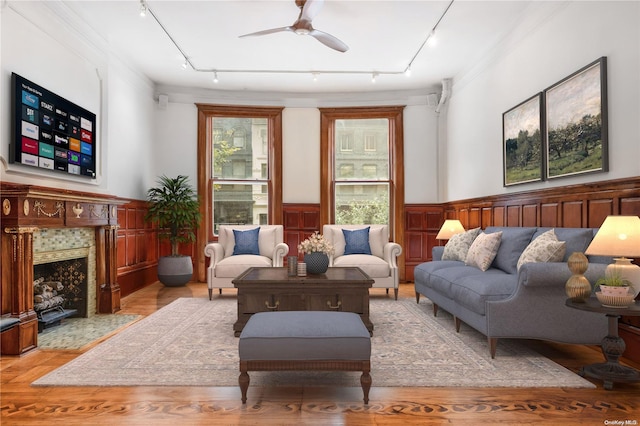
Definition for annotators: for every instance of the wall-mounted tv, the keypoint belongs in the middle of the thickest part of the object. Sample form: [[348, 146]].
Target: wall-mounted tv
[[50, 132]]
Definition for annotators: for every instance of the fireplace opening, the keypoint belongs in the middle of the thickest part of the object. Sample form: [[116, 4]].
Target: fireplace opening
[[60, 291]]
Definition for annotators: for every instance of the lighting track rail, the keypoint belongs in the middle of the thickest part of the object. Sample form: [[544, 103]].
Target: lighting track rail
[[144, 8]]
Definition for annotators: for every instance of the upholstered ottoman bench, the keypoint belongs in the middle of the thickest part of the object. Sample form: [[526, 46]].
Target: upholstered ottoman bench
[[305, 340]]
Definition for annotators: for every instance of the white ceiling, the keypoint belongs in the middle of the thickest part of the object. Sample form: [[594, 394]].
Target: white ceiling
[[383, 37]]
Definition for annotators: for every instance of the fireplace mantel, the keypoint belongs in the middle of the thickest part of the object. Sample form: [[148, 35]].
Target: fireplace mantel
[[25, 210]]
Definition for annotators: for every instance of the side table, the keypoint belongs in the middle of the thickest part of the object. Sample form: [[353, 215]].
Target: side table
[[613, 345]]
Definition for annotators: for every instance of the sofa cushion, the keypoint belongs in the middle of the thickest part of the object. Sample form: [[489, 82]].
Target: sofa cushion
[[356, 241], [483, 250], [371, 265], [267, 241], [246, 242], [576, 239], [474, 291], [544, 248], [514, 241], [232, 266], [441, 279], [458, 245]]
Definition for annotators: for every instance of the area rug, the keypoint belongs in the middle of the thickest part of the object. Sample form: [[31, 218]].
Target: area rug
[[190, 343], [75, 333]]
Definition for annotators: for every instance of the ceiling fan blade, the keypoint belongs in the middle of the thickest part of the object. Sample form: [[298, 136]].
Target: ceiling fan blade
[[271, 31], [311, 9], [329, 40]]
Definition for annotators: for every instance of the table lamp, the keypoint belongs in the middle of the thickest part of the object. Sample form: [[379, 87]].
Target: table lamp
[[449, 228], [619, 237]]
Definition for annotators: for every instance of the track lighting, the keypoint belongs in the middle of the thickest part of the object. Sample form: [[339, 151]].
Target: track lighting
[[315, 76], [407, 72], [215, 76], [374, 76], [432, 40], [143, 9], [184, 64]]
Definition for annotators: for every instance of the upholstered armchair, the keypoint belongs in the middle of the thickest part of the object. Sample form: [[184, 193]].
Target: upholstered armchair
[[375, 255], [240, 247]]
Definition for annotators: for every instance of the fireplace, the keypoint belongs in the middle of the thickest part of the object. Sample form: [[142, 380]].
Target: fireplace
[[39, 224]]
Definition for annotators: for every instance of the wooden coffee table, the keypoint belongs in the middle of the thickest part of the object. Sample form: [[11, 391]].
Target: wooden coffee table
[[271, 289]]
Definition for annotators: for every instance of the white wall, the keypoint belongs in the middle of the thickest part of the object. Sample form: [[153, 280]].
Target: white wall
[[43, 48], [559, 39]]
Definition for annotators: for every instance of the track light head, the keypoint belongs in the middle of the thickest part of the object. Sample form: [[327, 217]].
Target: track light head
[[143, 8]]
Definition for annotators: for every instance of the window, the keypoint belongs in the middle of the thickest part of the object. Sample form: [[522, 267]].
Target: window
[[369, 171], [239, 153], [370, 142], [362, 159], [346, 141], [346, 171]]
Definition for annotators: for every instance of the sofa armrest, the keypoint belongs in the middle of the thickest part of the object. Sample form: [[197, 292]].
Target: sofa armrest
[[551, 274], [437, 252], [215, 251], [279, 252], [391, 251]]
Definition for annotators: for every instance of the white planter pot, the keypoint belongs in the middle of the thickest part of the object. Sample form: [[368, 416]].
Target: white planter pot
[[608, 290]]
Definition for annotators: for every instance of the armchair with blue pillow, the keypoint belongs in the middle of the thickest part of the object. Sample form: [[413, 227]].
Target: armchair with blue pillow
[[240, 247], [367, 247]]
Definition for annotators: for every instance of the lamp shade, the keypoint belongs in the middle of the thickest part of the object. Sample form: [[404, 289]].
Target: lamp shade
[[449, 228], [618, 236]]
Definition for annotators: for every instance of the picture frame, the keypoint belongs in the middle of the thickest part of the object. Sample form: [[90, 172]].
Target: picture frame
[[522, 147], [576, 123]]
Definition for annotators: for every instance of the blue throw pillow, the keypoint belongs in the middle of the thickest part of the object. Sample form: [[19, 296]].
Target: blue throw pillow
[[357, 241], [246, 242]]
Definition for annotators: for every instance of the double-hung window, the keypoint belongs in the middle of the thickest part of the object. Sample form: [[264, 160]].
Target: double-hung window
[[240, 155], [362, 166]]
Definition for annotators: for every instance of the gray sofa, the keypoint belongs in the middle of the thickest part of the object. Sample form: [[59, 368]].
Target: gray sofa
[[506, 302]]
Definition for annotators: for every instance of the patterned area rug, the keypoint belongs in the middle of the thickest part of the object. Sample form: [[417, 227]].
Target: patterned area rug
[[190, 343], [75, 333]]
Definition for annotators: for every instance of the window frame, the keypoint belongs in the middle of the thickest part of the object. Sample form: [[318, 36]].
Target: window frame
[[205, 177], [394, 114]]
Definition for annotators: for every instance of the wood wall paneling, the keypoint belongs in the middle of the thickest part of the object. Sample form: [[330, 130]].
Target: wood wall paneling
[[572, 215], [300, 221], [549, 214]]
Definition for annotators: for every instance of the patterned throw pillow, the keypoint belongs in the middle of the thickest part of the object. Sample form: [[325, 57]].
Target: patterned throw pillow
[[458, 245], [246, 242], [545, 248], [357, 241], [483, 250]]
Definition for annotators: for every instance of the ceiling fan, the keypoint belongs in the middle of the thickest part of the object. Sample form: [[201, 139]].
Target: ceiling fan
[[302, 26]]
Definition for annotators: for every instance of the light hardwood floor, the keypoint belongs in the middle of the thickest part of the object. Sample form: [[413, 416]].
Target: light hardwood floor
[[22, 404]]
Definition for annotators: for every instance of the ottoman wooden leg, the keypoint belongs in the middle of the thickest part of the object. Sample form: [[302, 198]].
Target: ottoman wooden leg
[[243, 380], [365, 380]]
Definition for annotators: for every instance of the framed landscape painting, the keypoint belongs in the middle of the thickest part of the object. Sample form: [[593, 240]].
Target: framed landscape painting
[[522, 142], [576, 122]]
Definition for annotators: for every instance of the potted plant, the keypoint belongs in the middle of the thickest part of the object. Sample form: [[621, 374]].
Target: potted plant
[[613, 285], [316, 251], [174, 207]]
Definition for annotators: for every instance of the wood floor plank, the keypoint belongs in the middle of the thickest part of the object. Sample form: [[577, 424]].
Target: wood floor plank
[[21, 404]]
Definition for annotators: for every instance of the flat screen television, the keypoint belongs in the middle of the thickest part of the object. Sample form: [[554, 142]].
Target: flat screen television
[[50, 132]]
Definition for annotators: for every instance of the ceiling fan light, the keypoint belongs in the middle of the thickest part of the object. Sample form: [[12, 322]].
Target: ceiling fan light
[[302, 31]]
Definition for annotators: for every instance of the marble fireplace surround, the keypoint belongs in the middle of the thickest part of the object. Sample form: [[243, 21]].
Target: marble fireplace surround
[[30, 213]]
